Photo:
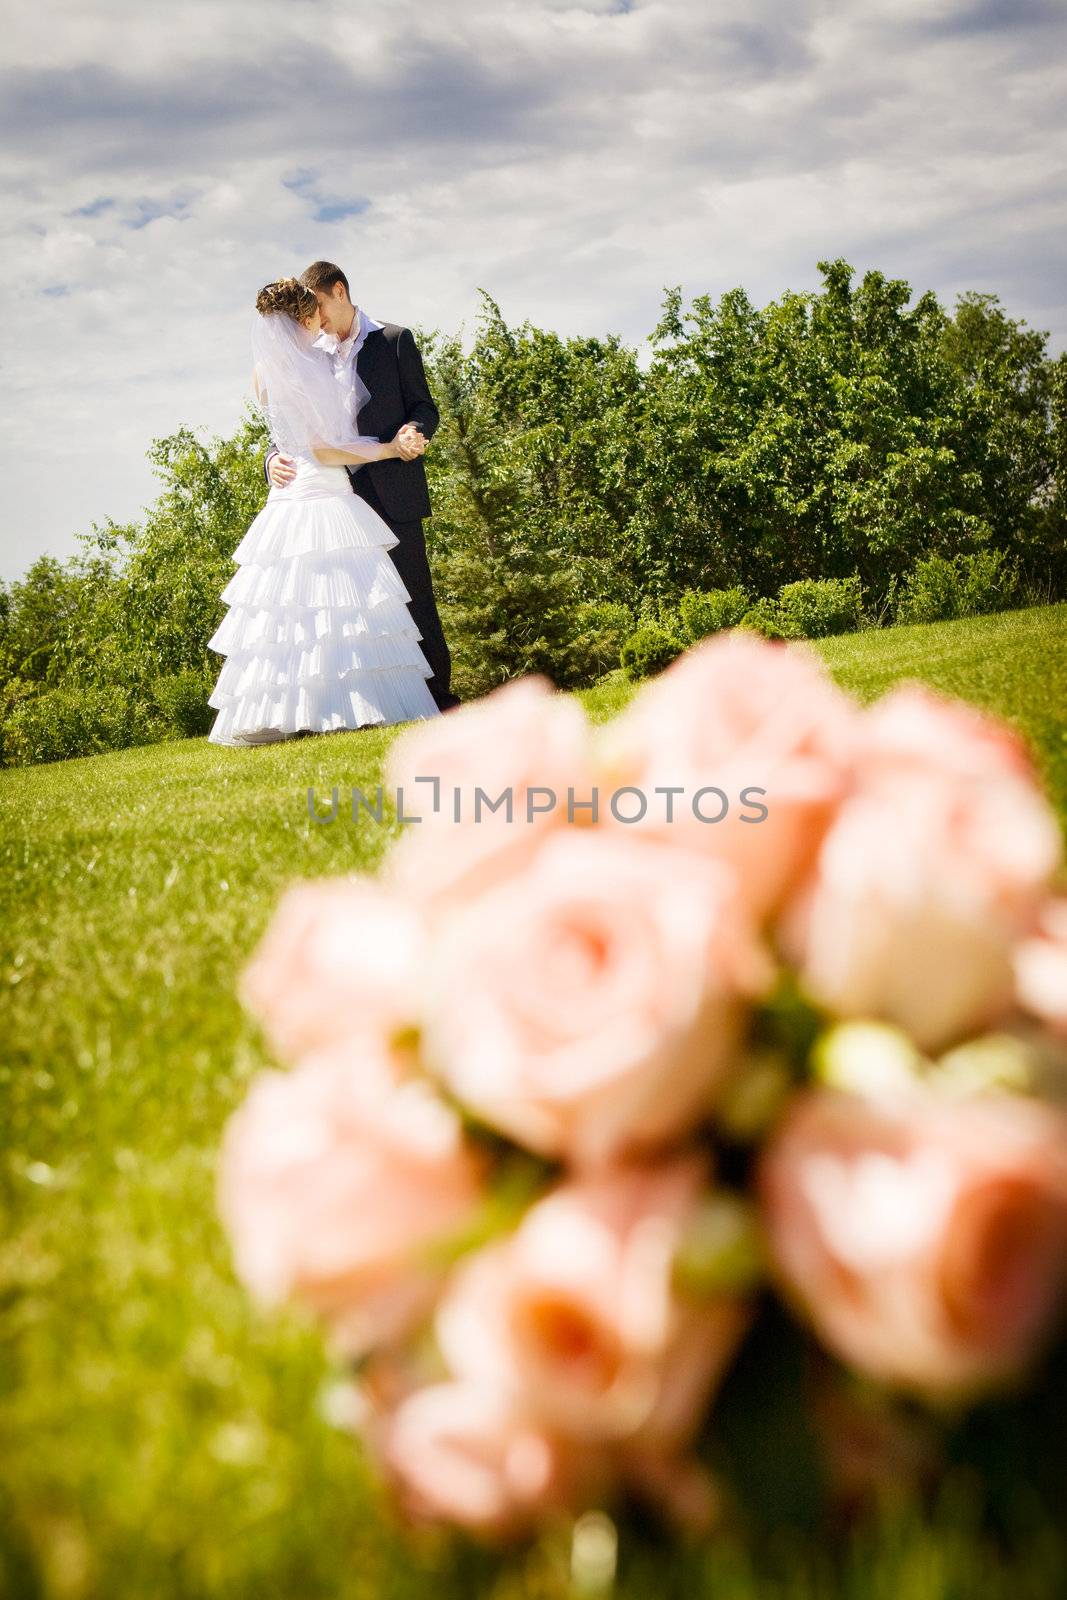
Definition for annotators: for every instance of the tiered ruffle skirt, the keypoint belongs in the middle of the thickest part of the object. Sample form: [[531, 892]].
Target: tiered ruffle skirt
[[318, 634]]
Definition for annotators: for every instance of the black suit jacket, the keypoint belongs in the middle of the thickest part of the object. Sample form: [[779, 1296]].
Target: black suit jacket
[[390, 365]]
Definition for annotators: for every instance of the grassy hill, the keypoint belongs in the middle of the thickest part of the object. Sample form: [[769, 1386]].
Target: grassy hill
[[158, 1437]]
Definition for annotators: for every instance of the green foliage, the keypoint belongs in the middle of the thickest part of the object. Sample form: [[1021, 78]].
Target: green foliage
[[765, 618], [180, 560], [182, 698], [705, 612], [77, 720], [811, 608], [599, 630], [649, 649], [42, 614], [841, 432], [122, 628], [505, 595], [939, 588]]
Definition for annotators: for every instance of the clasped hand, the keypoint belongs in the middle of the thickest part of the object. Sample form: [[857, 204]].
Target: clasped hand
[[410, 442]]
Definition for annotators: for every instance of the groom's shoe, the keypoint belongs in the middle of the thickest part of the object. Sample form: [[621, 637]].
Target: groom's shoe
[[449, 702]]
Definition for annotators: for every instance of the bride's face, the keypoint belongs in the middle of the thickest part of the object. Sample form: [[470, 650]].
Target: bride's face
[[313, 324]]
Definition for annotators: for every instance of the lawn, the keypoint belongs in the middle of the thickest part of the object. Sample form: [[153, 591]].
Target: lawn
[[158, 1438]]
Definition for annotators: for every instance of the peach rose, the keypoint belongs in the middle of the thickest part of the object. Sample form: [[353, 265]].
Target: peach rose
[[1040, 965], [523, 737], [926, 1240], [458, 1453], [576, 1319], [333, 1180], [919, 893], [913, 728], [734, 713], [340, 959], [594, 1002]]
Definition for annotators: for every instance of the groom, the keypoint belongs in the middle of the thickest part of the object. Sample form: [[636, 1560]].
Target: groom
[[388, 365]]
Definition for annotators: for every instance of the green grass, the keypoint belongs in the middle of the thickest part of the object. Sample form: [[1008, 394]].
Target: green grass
[[157, 1437]]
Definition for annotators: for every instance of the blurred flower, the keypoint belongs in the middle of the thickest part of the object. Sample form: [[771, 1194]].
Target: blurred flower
[[911, 729], [594, 1002], [333, 1180], [532, 1340], [926, 1240], [920, 891], [577, 1318], [459, 1453], [1040, 965], [339, 960], [522, 737], [738, 712]]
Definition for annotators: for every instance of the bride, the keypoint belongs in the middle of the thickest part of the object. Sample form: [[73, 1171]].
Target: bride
[[318, 635]]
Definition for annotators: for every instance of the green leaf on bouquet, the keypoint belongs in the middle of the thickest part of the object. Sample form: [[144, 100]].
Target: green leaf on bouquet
[[788, 1019], [995, 1061], [517, 1183], [722, 1251], [756, 1095], [866, 1058]]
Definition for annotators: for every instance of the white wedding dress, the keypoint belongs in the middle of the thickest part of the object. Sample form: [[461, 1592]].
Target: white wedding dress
[[318, 634]]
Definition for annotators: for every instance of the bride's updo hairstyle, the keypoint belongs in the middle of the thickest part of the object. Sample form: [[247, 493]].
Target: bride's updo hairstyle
[[287, 296]]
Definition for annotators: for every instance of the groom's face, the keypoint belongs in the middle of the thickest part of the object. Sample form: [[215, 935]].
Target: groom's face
[[336, 310]]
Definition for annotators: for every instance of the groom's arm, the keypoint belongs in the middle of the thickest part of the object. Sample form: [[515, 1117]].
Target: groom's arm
[[419, 405], [286, 470]]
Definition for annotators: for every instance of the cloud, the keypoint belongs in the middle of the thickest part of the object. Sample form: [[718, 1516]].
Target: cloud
[[995, 16], [571, 158]]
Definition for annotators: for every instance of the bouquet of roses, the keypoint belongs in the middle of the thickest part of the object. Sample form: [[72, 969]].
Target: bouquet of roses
[[752, 994]]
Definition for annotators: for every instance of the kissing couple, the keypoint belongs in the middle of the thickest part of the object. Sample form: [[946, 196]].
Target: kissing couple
[[333, 593]]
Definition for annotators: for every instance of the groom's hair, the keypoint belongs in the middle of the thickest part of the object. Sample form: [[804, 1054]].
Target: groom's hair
[[321, 276]]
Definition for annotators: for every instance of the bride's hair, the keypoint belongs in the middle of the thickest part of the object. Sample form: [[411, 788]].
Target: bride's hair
[[288, 296]]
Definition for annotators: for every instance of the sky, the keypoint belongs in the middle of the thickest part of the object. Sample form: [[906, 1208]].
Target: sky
[[158, 165]]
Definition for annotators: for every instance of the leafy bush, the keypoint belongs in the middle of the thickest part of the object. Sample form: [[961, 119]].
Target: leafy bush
[[182, 699], [78, 720], [703, 612], [601, 628], [14, 693], [764, 618], [649, 649], [940, 588], [815, 607]]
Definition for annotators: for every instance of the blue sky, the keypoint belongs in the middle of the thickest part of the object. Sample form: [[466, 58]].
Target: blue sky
[[158, 167]]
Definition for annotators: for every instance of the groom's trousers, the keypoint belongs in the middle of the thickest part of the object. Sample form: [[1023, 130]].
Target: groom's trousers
[[409, 558]]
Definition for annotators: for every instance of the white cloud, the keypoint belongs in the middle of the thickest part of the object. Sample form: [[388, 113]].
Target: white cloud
[[572, 159]]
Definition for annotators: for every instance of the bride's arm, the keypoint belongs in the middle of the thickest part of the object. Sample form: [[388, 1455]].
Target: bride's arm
[[361, 450]]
